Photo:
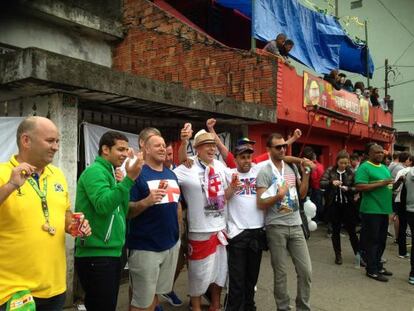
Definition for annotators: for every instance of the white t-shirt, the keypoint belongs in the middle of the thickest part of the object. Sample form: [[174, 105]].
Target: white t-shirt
[[191, 180], [243, 212], [402, 172]]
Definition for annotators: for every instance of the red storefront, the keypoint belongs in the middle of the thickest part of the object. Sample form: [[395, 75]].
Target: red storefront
[[163, 44], [330, 120]]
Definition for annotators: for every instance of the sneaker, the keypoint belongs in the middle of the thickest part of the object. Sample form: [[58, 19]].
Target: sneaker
[[158, 308], [411, 280], [384, 271], [406, 256], [377, 277], [172, 299]]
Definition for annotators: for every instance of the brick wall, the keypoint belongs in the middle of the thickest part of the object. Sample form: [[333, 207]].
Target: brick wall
[[161, 47]]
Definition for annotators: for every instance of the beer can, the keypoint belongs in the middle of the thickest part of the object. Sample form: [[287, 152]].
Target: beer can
[[163, 184], [77, 220]]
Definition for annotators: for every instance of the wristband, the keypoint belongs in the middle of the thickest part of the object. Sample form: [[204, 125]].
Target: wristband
[[16, 186]]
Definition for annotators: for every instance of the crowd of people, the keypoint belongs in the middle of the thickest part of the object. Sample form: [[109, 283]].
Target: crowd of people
[[281, 47], [339, 81], [219, 217]]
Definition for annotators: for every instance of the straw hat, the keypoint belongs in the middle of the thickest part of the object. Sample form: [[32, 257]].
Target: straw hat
[[202, 137]]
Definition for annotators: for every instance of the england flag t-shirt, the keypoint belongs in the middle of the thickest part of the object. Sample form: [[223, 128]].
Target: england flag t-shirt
[[201, 216], [156, 228]]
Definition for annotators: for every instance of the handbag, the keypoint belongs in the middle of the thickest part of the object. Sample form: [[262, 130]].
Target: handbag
[[21, 301]]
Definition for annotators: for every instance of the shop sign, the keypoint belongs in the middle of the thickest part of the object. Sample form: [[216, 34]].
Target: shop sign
[[317, 91]]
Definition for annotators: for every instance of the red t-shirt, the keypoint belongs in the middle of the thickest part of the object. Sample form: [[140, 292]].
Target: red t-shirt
[[316, 175]]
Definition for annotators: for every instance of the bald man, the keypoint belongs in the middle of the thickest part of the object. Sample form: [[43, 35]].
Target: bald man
[[34, 216]]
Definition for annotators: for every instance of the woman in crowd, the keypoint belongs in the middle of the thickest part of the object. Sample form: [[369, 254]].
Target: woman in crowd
[[359, 87], [374, 97], [338, 182]]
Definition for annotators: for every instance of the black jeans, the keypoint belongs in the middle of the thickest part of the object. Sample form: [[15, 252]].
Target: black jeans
[[374, 237], [99, 277], [402, 231], [316, 197], [410, 221], [343, 214], [244, 257], [54, 303]]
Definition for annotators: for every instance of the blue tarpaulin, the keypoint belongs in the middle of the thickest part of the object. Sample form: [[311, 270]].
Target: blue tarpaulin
[[320, 41]]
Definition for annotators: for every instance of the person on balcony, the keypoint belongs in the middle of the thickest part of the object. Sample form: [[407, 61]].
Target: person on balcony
[[374, 97], [276, 45], [348, 86], [333, 79], [359, 87], [284, 52]]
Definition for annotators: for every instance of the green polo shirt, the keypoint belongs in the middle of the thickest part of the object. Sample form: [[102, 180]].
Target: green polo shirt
[[379, 200]]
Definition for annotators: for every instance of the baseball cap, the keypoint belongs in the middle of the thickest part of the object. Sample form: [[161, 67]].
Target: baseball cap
[[245, 140], [243, 148]]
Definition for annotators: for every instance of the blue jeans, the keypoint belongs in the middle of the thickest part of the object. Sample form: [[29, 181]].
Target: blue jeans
[[54, 303]]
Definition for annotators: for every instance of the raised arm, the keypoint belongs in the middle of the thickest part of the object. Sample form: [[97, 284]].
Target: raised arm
[[185, 136], [296, 135], [220, 146]]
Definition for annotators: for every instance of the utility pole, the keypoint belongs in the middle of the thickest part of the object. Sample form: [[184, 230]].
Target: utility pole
[[367, 50], [252, 38], [336, 9], [386, 77]]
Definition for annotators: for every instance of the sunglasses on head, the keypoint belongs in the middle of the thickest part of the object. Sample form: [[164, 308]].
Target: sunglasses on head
[[279, 147]]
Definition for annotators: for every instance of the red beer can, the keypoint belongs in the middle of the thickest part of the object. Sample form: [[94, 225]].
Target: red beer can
[[163, 184], [77, 220]]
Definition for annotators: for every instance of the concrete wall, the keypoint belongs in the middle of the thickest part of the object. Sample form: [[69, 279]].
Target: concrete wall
[[26, 31], [105, 8], [64, 114]]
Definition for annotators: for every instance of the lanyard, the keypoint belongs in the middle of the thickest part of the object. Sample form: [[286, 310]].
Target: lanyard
[[42, 195], [280, 176]]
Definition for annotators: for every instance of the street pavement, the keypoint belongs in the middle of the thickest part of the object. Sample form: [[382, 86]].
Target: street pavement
[[334, 288]]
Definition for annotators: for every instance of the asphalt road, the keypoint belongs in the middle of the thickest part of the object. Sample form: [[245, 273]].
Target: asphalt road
[[334, 288]]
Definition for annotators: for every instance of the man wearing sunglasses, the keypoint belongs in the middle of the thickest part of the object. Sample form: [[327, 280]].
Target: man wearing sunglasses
[[278, 196]]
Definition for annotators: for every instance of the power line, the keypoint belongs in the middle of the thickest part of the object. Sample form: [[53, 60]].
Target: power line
[[401, 83], [398, 21], [403, 66], [403, 53]]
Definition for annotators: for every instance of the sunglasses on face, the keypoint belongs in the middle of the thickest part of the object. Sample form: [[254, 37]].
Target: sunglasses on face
[[279, 147]]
